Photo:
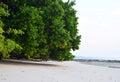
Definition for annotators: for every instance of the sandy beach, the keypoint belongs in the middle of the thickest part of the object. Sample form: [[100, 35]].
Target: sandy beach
[[52, 71]]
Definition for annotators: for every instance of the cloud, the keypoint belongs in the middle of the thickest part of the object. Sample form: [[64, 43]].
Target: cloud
[[116, 12], [100, 29]]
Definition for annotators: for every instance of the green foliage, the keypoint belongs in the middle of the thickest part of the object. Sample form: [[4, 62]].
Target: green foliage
[[14, 31], [61, 54], [45, 29], [6, 45], [3, 8]]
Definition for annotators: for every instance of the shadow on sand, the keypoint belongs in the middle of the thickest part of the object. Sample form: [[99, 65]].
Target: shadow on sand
[[30, 63]]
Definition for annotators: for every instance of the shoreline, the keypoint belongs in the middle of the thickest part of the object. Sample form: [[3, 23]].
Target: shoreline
[[102, 63], [54, 71]]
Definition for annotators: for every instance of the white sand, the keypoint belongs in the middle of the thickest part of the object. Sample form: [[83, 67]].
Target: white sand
[[57, 72]]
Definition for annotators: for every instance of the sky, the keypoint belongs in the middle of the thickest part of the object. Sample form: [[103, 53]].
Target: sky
[[99, 25]]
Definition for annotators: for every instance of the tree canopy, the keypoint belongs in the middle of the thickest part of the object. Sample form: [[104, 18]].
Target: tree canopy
[[6, 45], [44, 29]]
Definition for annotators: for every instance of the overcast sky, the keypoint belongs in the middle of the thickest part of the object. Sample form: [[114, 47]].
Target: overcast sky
[[99, 25]]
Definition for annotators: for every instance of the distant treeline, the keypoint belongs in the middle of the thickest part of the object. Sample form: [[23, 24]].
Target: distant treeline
[[44, 29], [97, 60]]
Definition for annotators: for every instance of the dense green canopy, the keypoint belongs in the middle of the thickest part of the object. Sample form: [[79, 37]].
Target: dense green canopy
[[6, 45], [45, 29]]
